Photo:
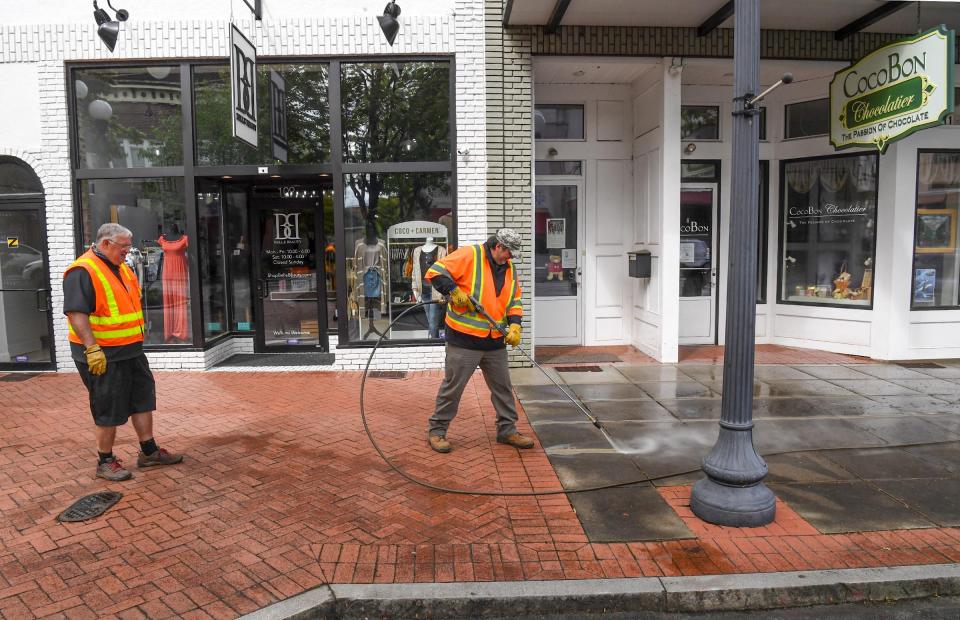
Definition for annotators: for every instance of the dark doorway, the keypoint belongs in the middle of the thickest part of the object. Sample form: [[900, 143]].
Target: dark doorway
[[289, 277], [25, 319]]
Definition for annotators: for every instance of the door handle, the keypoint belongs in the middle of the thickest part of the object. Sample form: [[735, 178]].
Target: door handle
[[262, 289], [42, 300]]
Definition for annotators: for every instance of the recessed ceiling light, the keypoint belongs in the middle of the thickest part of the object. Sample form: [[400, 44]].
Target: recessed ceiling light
[[274, 176], [226, 176]]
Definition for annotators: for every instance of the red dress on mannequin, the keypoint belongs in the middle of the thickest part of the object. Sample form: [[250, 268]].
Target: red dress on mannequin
[[176, 289]]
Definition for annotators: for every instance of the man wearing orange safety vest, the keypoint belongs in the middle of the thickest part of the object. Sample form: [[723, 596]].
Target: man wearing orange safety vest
[[101, 298], [484, 272]]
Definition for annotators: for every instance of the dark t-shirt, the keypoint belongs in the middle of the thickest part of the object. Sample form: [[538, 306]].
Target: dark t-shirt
[[80, 296]]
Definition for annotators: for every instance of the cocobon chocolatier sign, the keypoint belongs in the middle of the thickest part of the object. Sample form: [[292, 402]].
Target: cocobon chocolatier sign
[[893, 91]]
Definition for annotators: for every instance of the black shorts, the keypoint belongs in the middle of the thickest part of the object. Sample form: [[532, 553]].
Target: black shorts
[[126, 388]]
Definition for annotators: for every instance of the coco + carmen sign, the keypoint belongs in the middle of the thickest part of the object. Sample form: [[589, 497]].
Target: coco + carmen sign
[[893, 91]]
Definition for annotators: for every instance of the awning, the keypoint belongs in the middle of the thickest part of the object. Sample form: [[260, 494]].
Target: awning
[[843, 17]]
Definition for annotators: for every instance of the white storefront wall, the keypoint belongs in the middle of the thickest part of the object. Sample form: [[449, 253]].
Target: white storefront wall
[[36, 43], [890, 330], [632, 203]]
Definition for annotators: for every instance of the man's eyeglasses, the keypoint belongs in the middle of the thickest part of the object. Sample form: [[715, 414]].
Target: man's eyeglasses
[[125, 246]]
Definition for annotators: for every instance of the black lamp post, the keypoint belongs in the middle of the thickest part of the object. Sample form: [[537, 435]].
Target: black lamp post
[[733, 492]]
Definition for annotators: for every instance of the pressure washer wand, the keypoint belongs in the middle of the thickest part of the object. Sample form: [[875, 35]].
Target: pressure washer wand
[[571, 397]]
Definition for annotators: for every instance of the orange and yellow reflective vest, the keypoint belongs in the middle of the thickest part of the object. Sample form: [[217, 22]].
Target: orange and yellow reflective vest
[[469, 269], [117, 319]]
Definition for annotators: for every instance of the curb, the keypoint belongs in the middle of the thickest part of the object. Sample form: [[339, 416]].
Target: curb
[[519, 599]]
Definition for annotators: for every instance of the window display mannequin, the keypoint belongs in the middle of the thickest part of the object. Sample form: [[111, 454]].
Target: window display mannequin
[[370, 261], [424, 257], [176, 289]]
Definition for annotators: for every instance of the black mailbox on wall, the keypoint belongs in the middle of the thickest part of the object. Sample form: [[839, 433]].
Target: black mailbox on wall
[[639, 264]]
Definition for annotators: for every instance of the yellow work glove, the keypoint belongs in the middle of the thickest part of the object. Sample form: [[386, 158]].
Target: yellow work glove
[[96, 360], [513, 335], [459, 298]]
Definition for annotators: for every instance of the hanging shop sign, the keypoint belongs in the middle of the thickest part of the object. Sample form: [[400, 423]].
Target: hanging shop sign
[[278, 116], [893, 91], [243, 86]]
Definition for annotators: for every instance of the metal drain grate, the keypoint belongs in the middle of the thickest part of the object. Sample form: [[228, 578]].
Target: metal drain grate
[[578, 369], [89, 506], [18, 376], [920, 365], [388, 374]]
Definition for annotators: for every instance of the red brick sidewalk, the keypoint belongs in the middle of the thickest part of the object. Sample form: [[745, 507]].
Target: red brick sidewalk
[[281, 492]]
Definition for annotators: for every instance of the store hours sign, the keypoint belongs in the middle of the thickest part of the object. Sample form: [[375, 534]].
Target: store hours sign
[[893, 91]]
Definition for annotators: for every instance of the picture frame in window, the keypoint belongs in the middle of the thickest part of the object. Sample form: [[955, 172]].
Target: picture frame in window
[[936, 231]]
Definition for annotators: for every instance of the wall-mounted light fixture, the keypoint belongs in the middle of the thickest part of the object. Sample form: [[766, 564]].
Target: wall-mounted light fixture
[[108, 29], [690, 148], [388, 21], [552, 152]]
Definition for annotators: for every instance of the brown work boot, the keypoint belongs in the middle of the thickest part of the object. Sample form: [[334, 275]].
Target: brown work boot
[[439, 443], [516, 440], [160, 457], [113, 470]]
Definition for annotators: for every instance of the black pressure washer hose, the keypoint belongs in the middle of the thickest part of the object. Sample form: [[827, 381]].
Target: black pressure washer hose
[[593, 419]]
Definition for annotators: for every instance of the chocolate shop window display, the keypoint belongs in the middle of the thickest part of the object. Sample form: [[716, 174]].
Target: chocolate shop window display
[[829, 231]]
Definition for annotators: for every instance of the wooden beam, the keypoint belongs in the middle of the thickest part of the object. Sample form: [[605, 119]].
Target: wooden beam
[[888, 8], [558, 10], [710, 24]]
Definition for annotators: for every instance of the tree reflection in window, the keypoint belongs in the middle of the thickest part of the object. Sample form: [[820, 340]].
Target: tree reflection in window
[[129, 117], [308, 116], [396, 111]]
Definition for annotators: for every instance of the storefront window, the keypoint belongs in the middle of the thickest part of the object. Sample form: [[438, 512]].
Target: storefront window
[[212, 278], [307, 116], [558, 122], [396, 111], [936, 257], [699, 122], [153, 210], [828, 221], [807, 118], [397, 225], [128, 117]]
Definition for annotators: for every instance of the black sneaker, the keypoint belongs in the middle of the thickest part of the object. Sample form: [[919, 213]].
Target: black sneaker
[[113, 470], [160, 457]]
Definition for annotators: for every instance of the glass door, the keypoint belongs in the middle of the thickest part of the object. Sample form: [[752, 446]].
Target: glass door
[[25, 326], [557, 269], [698, 273], [290, 303]]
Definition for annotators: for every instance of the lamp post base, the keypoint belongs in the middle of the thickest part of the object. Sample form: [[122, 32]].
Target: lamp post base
[[733, 506]]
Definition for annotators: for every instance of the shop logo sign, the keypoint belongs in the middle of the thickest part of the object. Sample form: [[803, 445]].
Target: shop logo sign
[[243, 86], [288, 226], [278, 116], [893, 91], [694, 227]]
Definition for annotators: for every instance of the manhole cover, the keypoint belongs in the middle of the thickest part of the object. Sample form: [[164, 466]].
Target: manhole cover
[[388, 374], [18, 376], [920, 365], [578, 369], [89, 506]]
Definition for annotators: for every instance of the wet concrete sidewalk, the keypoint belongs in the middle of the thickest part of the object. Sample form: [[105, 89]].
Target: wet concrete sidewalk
[[281, 491], [836, 437]]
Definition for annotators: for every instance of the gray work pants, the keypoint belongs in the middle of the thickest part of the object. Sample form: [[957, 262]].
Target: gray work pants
[[459, 367]]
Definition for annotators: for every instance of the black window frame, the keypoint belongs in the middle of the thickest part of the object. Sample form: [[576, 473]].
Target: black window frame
[[335, 169]]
